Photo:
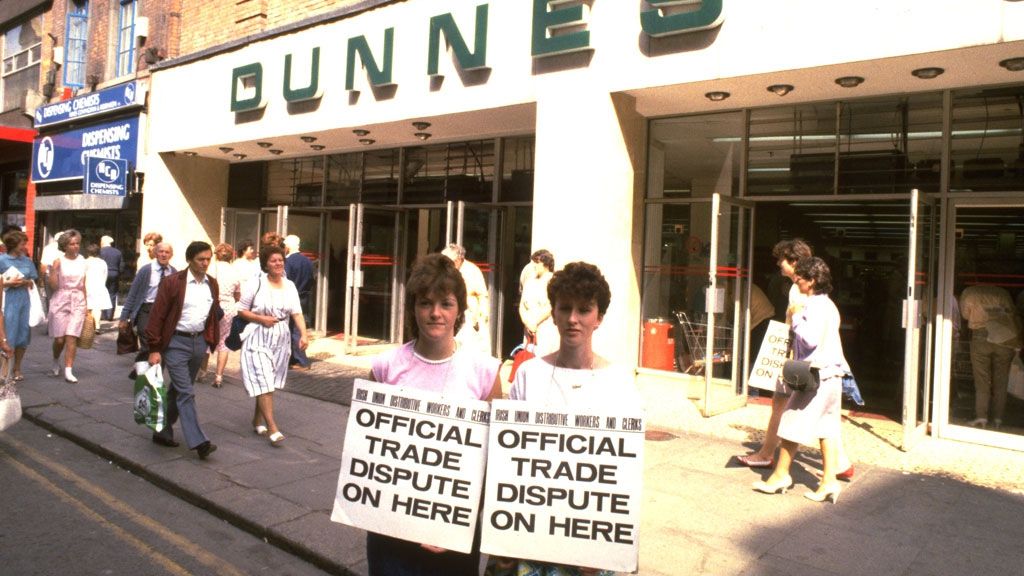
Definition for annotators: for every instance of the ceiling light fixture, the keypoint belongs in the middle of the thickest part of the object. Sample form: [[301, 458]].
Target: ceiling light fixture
[[360, 132], [190, 154], [225, 149], [366, 141], [928, 73], [317, 146], [275, 151], [422, 135], [780, 89], [264, 144], [716, 96], [421, 126], [308, 139], [1013, 64], [239, 156], [850, 81]]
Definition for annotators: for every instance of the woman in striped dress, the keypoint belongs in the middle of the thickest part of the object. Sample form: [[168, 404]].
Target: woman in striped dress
[[267, 303]]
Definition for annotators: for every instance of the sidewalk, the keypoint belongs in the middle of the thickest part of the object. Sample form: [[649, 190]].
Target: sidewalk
[[945, 508]]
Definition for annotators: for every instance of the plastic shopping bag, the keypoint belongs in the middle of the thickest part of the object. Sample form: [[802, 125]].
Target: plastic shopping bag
[[10, 405], [1015, 387], [150, 397]]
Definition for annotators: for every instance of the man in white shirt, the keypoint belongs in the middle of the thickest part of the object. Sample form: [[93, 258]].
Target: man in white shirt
[[995, 337], [476, 332], [183, 327]]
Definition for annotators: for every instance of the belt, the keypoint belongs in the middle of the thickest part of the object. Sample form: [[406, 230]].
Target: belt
[[146, 306], [187, 334]]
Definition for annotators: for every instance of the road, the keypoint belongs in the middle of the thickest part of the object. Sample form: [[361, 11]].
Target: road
[[63, 510]]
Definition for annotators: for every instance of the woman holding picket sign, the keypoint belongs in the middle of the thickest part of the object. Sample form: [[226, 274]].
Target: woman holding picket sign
[[574, 375], [435, 309]]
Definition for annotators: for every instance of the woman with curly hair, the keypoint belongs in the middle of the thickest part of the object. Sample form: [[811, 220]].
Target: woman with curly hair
[[68, 302], [571, 376]]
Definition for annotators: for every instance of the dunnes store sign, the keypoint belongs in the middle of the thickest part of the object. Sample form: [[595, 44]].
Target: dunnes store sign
[[662, 18]]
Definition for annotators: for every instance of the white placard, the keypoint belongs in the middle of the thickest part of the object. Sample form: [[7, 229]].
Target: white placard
[[768, 367], [412, 465], [564, 486]]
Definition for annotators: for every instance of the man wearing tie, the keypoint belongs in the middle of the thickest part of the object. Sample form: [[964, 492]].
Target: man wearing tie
[[183, 326], [142, 294]]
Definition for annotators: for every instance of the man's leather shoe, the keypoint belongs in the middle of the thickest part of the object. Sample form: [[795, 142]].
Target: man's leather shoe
[[132, 375], [205, 449], [169, 442]]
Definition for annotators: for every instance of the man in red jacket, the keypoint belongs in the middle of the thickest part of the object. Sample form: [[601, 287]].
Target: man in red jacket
[[182, 329]]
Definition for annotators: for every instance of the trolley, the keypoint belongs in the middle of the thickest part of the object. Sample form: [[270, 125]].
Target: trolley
[[695, 334]]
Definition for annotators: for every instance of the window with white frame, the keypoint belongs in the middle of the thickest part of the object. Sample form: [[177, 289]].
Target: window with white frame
[[76, 42], [126, 37], [22, 49]]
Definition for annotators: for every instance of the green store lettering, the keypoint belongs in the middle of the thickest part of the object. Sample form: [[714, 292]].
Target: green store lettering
[[556, 29]]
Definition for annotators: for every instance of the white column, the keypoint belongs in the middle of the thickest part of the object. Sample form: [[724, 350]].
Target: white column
[[588, 199]]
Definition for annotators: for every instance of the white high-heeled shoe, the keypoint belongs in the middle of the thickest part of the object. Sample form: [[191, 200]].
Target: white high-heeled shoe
[[779, 487], [830, 492]]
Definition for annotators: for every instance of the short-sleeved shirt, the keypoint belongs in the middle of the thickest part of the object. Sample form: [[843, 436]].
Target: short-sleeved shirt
[[541, 382], [465, 374]]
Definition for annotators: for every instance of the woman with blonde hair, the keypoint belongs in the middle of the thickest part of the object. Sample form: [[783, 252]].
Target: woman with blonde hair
[[224, 271], [68, 302]]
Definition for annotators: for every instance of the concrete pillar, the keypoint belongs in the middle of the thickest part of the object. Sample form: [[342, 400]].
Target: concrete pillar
[[588, 198], [182, 200]]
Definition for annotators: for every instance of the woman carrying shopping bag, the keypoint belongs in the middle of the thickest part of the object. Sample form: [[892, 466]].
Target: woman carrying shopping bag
[[20, 276]]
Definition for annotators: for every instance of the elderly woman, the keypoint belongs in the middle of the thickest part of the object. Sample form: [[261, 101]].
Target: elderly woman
[[435, 309], [534, 306], [267, 303], [573, 375], [17, 300], [812, 415], [229, 282], [68, 302]]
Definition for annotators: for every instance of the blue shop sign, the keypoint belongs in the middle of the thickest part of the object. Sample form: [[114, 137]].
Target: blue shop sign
[[62, 156], [105, 176], [107, 101]]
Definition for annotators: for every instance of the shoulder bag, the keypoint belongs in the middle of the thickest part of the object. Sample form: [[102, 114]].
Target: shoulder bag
[[238, 324], [800, 376], [10, 405]]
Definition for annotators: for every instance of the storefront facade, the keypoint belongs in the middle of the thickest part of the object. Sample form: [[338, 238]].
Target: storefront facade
[[668, 144]]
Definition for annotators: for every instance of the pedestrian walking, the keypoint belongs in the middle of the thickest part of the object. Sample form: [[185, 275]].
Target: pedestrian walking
[[224, 271], [115, 267], [96, 282], [268, 303], [142, 295], [535, 306], [477, 329], [17, 298], [299, 269], [812, 415], [573, 376], [247, 260], [435, 309], [67, 303], [183, 326], [149, 243]]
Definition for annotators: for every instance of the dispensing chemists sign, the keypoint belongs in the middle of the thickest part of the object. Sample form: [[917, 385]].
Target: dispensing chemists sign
[[106, 101], [412, 466], [63, 155], [105, 176], [564, 486], [774, 348]]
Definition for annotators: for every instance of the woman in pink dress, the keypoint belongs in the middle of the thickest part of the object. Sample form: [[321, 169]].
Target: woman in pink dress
[[68, 302]]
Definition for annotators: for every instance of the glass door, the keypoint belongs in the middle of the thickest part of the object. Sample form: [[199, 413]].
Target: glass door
[[727, 297], [477, 229], [918, 317], [984, 266], [373, 284], [237, 224]]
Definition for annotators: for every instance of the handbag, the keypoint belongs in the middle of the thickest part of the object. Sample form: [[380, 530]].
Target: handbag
[[10, 405], [88, 335], [36, 313], [234, 340], [127, 340], [150, 397], [800, 376]]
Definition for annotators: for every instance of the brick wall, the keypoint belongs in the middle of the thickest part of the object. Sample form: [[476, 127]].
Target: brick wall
[[208, 23]]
